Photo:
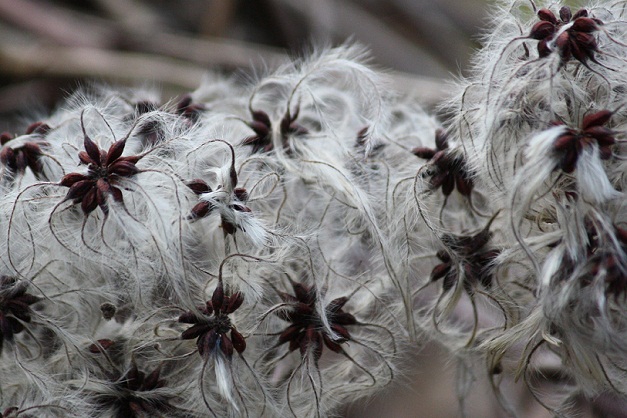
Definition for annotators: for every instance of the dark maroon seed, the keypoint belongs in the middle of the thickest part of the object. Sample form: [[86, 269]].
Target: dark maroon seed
[[241, 194], [332, 345], [184, 102], [344, 318], [261, 116], [261, 129], [7, 156], [342, 332], [437, 180], [92, 150], [547, 16], [101, 346], [123, 169], [5, 137], [337, 304], [564, 141], [303, 293], [133, 159], [85, 158], [288, 334], [115, 151], [32, 148], [464, 186], [449, 282], [208, 309], [543, 49], [565, 14], [152, 380], [362, 135], [584, 24], [194, 331], [239, 343], [217, 299], [235, 301], [117, 194], [78, 189], [20, 161], [424, 153], [441, 139], [448, 184], [240, 208], [569, 161], [226, 346], [207, 342], [202, 209], [439, 271], [542, 30], [89, 202], [596, 119], [198, 186], [188, 318], [228, 227], [38, 128]]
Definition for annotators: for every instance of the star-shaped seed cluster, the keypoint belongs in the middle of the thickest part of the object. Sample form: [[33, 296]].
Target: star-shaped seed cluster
[[306, 331], [448, 168], [571, 143], [211, 329], [14, 307], [576, 41], [105, 171]]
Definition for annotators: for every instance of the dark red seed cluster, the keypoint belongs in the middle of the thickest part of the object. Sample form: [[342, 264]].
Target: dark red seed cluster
[[105, 169], [26, 155], [236, 196], [201, 209], [306, 331], [131, 395], [14, 307], [449, 168], [262, 126], [571, 143], [602, 259], [576, 41], [473, 257], [204, 208], [190, 110], [211, 329]]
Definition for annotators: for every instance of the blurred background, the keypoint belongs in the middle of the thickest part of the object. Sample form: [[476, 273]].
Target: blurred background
[[48, 48]]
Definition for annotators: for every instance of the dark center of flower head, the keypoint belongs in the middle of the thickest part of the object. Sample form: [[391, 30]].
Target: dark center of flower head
[[220, 322], [98, 172], [135, 394], [306, 331], [211, 328]]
